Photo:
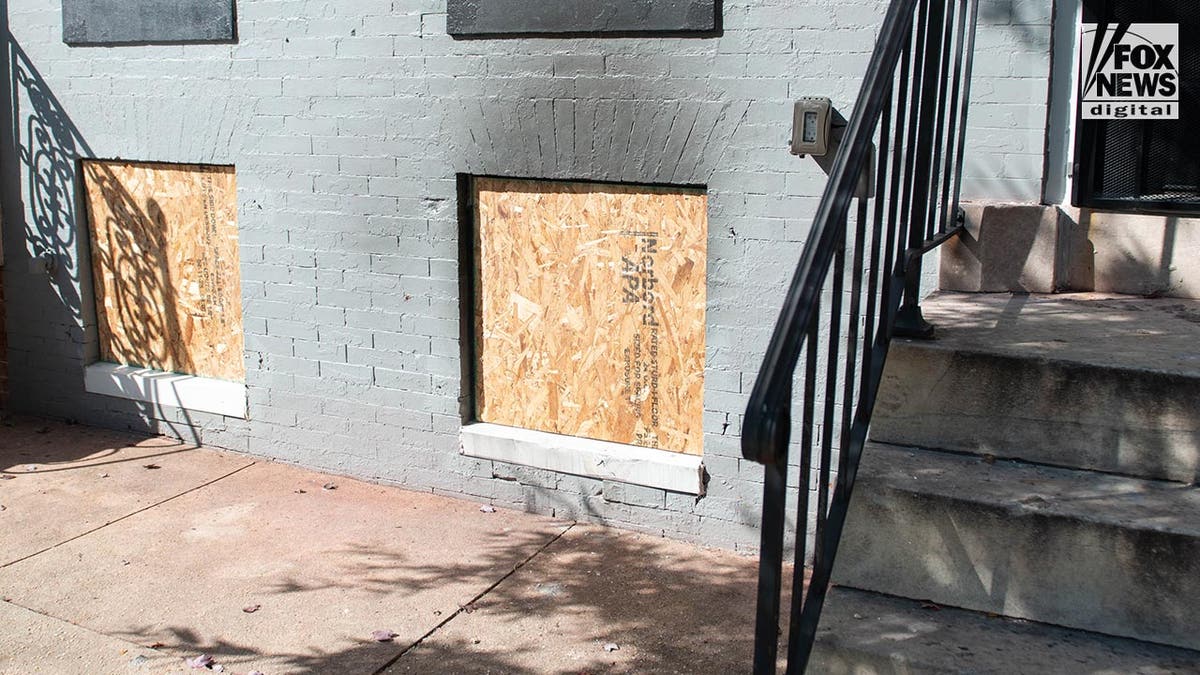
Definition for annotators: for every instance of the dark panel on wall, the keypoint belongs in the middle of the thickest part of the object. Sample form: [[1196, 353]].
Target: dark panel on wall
[[98, 22], [515, 17]]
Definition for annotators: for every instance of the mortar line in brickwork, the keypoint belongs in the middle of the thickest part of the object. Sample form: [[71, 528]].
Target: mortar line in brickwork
[[128, 515]]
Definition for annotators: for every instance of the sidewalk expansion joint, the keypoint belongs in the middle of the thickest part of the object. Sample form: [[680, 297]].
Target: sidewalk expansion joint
[[468, 606], [126, 516]]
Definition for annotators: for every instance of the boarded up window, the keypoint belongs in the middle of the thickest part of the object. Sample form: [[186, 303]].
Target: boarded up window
[[165, 263], [572, 17], [590, 310], [106, 22]]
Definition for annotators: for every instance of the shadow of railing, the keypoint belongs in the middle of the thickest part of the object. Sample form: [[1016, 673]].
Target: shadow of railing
[[47, 214]]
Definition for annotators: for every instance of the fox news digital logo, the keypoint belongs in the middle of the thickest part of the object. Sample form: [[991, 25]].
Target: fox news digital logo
[[1130, 71]]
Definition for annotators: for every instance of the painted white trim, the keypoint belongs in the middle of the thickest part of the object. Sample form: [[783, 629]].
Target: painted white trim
[[1059, 181], [189, 392], [585, 457]]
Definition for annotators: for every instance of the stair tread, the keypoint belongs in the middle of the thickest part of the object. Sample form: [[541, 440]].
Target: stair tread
[[863, 632], [1026, 489], [1098, 329]]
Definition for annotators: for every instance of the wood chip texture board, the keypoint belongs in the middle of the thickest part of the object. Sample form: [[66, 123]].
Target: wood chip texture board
[[590, 310], [165, 263]]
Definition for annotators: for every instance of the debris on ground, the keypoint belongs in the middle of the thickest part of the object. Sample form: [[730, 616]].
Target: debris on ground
[[301, 492], [202, 661], [551, 589], [329, 486], [151, 466], [383, 635], [487, 508], [6, 476], [104, 475], [250, 609], [611, 647]]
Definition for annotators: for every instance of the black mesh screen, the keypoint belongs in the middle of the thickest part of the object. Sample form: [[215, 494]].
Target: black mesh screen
[[1151, 165]]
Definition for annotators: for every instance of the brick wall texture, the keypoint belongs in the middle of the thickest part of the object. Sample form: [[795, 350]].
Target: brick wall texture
[[348, 122]]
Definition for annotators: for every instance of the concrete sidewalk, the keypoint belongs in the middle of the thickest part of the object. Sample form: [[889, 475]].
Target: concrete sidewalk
[[121, 554]]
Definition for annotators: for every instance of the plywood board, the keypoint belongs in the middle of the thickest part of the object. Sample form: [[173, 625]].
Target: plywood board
[[165, 264], [591, 310]]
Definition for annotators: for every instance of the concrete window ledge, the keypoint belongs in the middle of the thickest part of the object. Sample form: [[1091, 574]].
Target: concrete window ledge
[[585, 457], [189, 392]]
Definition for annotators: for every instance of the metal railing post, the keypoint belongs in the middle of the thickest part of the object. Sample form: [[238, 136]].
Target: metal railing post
[[910, 322]]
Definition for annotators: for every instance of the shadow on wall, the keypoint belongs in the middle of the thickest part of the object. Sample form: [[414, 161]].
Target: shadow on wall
[[54, 281], [141, 313]]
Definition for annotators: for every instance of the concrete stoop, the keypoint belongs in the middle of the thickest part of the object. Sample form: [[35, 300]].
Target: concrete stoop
[[1037, 462], [870, 634], [1073, 548]]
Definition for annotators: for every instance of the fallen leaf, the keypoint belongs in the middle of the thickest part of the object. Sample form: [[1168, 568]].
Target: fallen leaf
[[329, 486], [250, 609], [3, 507], [156, 645], [151, 466], [6, 476], [611, 647], [301, 492], [202, 661], [383, 635], [930, 605], [104, 475], [487, 508]]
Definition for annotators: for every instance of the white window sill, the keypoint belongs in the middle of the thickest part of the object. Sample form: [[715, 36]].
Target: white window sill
[[189, 392], [585, 457]]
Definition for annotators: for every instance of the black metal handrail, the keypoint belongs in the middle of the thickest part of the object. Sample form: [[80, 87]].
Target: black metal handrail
[[912, 108]]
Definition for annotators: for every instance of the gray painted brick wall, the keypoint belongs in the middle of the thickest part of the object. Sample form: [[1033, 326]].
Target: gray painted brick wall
[[348, 121]]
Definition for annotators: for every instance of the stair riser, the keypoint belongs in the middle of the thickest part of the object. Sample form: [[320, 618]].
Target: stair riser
[[868, 634], [1021, 563], [1138, 423]]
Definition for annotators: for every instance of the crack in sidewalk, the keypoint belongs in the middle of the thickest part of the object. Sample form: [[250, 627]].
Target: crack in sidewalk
[[472, 601], [126, 516]]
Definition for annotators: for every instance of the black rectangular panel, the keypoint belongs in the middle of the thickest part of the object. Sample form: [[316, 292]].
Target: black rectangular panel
[[99, 22], [1145, 165], [516, 17]]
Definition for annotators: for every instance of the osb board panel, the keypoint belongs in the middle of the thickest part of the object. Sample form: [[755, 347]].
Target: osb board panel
[[165, 262], [590, 310]]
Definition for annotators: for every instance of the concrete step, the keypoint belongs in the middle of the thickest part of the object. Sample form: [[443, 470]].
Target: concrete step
[[869, 634], [1083, 380], [1080, 549]]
